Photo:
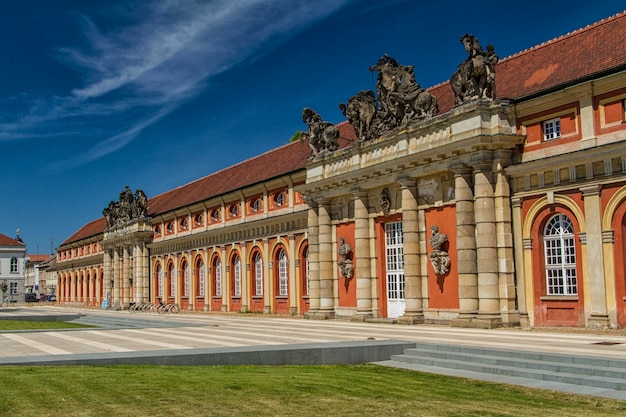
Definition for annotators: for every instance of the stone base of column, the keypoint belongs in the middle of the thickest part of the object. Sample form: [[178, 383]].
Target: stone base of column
[[511, 319], [411, 319], [524, 320], [361, 316], [206, 307], [599, 321], [464, 320], [267, 310], [488, 321], [320, 315], [293, 311]]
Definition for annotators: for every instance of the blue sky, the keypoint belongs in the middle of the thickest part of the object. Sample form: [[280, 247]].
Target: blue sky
[[99, 94]]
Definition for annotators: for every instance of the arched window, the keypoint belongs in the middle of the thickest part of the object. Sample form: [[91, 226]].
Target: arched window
[[282, 273], [185, 279], [307, 284], [200, 272], [560, 256], [159, 281], [172, 278], [217, 272], [258, 274], [236, 276], [14, 266]]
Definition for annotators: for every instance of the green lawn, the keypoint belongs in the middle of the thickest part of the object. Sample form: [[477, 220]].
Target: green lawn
[[362, 390], [38, 325]]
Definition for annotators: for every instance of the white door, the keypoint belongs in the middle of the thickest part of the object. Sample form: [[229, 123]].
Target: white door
[[394, 262]]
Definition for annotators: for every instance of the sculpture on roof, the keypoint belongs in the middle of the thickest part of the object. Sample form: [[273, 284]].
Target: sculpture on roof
[[399, 99], [475, 77], [129, 207], [321, 136]]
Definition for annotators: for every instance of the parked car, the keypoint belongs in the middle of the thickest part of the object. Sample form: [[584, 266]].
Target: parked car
[[51, 297], [30, 297]]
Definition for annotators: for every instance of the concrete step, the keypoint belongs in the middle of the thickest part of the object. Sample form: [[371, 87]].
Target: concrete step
[[121, 321], [577, 370]]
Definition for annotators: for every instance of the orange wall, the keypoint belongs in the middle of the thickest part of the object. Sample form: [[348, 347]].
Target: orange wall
[[443, 291]]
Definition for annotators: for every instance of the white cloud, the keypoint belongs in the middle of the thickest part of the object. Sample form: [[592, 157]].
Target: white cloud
[[136, 74]]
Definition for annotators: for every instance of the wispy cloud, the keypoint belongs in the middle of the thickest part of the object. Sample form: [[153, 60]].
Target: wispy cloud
[[137, 74]]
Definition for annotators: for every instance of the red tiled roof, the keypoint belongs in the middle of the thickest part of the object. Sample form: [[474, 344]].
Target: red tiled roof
[[7, 241], [37, 257], [576, 55], [280, 161], [90, 229], [595, 48]]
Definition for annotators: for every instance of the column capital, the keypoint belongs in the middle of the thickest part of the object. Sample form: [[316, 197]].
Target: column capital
[[407, 182], [591, 190], [359, 193], [460, 169]]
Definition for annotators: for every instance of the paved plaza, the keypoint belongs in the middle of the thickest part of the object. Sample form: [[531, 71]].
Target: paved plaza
[[124, 333]]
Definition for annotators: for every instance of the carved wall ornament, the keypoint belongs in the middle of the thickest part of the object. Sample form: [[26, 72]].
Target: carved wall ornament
[[321, 136], [475, 77], [384, 202], [346, 267], [439, 258], [129, 207]]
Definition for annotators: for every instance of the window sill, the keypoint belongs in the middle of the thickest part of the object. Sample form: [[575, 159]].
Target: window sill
[[559, 298]]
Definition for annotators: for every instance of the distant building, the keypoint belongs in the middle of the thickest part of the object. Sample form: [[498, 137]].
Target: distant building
[[12, 268], [32, 275], [48, 276], [497, 211]]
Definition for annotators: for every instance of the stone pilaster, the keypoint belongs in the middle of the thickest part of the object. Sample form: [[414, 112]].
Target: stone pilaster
[[126, 275], [596, 288], [414, 312], [466, 247], [518, 245], [362, 259], [108, 274]]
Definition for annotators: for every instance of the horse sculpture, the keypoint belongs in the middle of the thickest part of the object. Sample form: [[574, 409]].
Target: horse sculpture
[[321, 136], [361, 113], [401, 97]]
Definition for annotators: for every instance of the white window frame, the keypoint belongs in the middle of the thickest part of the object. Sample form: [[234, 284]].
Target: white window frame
[[200, 266], [283, 275], [218, 277], [237, 276], [15, 266], [552, 129], [560, 256], [13, 288], [160, 281], [258, 274], [186, 279], [173, 282]]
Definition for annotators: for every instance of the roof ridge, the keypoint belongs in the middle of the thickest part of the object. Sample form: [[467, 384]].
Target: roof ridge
[[566, 35], [225, 169]]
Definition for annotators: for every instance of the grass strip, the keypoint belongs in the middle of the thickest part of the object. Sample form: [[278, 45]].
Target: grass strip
[[11, 325], [350, 390]]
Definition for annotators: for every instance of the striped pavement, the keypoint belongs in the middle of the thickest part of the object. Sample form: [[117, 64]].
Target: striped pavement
[[203, 330]]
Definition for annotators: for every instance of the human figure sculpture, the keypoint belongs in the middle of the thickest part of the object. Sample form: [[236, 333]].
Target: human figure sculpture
[[439, 258], [475, 77], [321, 136], [129, 207], [346, 268]]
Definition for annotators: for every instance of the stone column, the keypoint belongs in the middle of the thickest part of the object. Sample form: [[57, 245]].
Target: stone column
[[594, 272], [117, 272], [504, 241], [314, 266], [326, 261], [362, 258], [466, 247], [486, 247], [414, 312], [108, 274], [126, 276]]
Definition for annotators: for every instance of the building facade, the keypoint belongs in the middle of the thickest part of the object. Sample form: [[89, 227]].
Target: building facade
[[499, 210], [12, 268]]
